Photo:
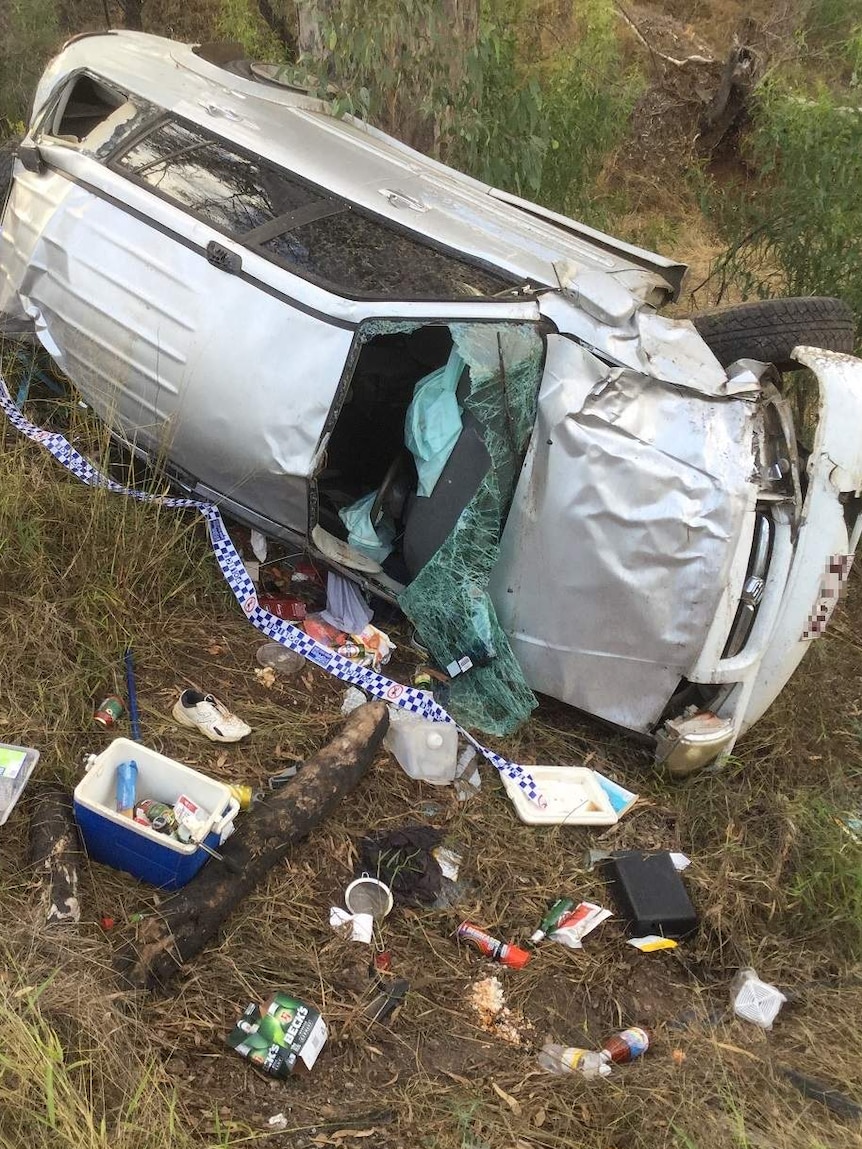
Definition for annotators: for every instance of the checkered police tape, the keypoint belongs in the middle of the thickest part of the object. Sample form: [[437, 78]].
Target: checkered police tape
[[407, 697]]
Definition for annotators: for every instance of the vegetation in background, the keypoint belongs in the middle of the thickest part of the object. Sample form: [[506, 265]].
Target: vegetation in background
[[28, 34], [588, 96], [799, 231]]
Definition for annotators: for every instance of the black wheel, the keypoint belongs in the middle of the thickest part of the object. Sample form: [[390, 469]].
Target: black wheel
[[769, 329]]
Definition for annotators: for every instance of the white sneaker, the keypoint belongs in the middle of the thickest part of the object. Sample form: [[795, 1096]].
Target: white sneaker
[[205, 713]]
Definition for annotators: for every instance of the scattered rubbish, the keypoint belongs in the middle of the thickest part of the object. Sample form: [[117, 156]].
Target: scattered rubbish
[[285, 775], [755, 1000], [468, 780], [353, 697], [680, 862], [427, 751], [17, 763], [574, 926], [266, 676], [387, 1001], [153, 856], [107, 922], [367, 895], [109, 711], [649, 893], [127, 788], [353, 927], [626, 1046], [403, 859], [561, 1059], [382, 961], [500, 951], [346, 608], [132, 692], [572, 794], [449, 861], [495, 1017], [212, 718], [619, 797], [368, 647], [245, 795], [280, 1037], [277, 1121], [827, 1095], [431, 809], [252, 569], [649, 943], [551, 920], [285, 607], [259, 545]]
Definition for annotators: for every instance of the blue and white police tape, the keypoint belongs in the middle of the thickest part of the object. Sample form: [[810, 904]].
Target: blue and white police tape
[[395, 693]]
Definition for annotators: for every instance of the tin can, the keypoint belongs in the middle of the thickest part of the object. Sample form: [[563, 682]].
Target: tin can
[[110, 711], [243, 794]]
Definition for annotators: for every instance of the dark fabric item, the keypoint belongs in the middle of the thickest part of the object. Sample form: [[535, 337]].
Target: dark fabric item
[[403, 860]]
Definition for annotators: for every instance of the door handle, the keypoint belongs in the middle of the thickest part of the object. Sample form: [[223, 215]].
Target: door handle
[[223, 259]]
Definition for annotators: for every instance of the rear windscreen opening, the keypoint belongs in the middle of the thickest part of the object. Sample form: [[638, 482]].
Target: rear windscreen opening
[[87, 105]]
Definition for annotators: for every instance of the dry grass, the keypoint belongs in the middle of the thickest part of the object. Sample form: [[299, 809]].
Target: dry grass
[[776, 881]]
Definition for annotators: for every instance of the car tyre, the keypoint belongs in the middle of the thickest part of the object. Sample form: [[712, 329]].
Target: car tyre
[[769, 329]]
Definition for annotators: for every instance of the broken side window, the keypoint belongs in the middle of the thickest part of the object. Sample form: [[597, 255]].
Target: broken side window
[[230, 190], [95, 116], [367, 256], [312, 232], [83, 107]]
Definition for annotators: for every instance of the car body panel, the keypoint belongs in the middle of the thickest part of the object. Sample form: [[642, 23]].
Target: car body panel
[[627, 544], [648, 490]]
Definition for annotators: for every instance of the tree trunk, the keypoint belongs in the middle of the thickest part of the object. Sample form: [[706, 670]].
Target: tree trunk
[[312, 15], [730, 103], [54, 852], [132, 14], [189, 919]]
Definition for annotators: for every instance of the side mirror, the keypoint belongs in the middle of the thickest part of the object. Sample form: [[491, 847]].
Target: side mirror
[[31, 157]]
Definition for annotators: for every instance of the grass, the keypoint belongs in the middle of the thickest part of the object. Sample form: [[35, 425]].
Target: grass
[[775, 878]]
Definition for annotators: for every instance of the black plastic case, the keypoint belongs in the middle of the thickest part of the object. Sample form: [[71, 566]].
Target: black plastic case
[[649, 894]]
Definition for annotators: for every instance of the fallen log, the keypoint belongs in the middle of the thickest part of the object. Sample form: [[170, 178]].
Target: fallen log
[[54, 850], [192, 917]]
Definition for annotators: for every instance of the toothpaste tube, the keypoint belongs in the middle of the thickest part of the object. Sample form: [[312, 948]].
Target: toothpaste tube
[[575, 926]]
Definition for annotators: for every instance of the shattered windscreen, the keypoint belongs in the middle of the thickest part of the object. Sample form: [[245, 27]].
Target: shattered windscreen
[[448, 600]]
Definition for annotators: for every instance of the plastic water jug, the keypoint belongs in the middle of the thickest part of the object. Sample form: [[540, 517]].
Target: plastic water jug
[[425, 750]]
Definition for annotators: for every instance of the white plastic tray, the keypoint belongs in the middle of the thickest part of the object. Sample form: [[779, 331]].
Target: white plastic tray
[[573, 795]]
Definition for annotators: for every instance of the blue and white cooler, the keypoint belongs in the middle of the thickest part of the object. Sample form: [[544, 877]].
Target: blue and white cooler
[[118, 841]]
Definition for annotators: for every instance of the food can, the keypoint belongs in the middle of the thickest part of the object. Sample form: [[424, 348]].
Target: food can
[[110, 711], [243, 794]]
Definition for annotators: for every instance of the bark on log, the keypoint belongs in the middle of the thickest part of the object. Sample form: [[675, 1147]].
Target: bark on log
[[54, 851], [189, 919]]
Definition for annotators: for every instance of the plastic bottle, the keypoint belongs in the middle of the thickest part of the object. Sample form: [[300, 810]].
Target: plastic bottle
[[561, 1059], [493, 948], [626, 1045], [552, 918], [425, 750]]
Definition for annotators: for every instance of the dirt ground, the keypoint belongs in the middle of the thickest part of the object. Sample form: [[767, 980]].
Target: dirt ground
[[776, 879], [767, 893]]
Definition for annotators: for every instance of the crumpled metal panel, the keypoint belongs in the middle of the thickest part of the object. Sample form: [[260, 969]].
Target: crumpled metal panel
[[157, 341], [624, 526]]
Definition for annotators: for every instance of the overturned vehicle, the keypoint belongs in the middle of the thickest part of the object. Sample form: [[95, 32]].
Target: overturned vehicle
[[467, 403]]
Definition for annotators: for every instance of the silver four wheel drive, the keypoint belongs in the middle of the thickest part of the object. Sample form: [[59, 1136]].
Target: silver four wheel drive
[[468, 403]]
